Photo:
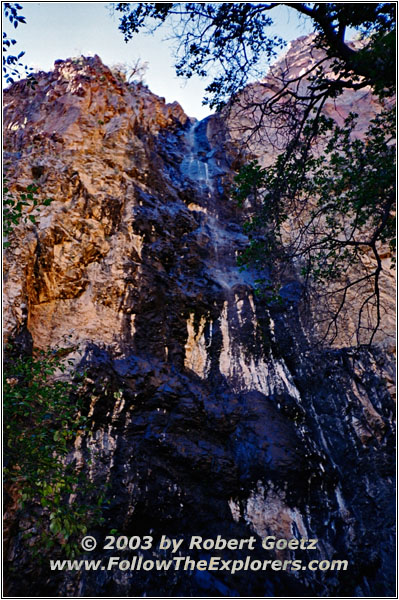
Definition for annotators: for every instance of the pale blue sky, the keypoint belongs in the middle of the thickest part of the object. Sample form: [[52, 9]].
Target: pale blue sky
[[58, 30]]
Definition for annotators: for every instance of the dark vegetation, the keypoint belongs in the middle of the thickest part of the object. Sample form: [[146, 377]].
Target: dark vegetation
[[12, 65], [43, 417]]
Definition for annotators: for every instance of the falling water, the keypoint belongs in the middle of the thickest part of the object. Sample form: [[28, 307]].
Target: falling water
[[195, 165], [201, 168]]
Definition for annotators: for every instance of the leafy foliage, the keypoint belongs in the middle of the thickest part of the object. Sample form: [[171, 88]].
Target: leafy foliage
[[11, 62], [21, 209], [231, 40], [375, 23], [43, 417], [337, 200]]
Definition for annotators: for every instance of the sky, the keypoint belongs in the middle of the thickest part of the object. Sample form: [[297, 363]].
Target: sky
[[59, 30]]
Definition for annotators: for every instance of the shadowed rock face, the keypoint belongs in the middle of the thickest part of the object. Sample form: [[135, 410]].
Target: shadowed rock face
[[210, 412]]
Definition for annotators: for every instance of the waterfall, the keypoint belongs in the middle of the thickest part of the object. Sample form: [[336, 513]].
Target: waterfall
[[202, 170]]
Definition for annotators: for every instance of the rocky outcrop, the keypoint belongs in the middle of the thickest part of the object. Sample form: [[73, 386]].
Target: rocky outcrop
[[210, 412]]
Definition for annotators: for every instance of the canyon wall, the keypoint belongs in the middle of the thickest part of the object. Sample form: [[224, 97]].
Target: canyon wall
[[210, 412]]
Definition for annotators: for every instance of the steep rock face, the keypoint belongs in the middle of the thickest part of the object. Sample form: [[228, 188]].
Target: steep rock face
[[210, 413], [96, 181]]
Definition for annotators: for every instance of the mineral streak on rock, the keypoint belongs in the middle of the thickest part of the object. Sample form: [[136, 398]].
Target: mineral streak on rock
[[222, 419]]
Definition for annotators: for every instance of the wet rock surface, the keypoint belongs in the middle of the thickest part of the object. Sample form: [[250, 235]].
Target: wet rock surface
[[211, 413]]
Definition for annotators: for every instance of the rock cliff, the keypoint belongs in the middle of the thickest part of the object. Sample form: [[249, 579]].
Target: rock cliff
[[211, 413]]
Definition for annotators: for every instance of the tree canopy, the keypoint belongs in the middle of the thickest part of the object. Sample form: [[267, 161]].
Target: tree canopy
[[233, 38]]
